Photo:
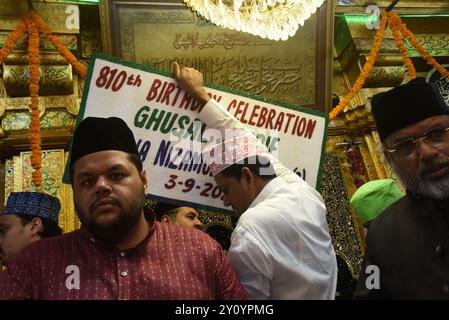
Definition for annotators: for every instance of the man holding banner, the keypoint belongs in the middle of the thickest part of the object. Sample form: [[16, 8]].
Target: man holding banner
[[281, 247]]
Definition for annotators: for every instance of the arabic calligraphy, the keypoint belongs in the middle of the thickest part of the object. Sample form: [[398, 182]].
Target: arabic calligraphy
[[159, 16], [440, 82], [443, 85], [255, 75], [226, 39], [436, 45], [54, 80], [282, 71]]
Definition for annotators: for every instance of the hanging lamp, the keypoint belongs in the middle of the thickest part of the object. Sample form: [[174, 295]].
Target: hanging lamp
[[272, 19]]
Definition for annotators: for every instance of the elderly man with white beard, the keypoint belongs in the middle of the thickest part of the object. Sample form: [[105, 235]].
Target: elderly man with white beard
[[407, 252]]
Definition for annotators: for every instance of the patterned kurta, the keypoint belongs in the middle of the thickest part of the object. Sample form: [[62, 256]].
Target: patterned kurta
[[170, 263]]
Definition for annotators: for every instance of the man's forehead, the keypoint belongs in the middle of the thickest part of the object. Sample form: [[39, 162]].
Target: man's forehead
[[104, 154], [109, 158], [221, 179], [188, 210], [419, 128], [7, 219]]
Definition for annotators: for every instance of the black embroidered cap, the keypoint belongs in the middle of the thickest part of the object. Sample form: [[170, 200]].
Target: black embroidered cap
[[101, 134], [405, 105]]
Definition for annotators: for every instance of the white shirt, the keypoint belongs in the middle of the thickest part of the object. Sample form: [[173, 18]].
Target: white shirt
[[281, 247]]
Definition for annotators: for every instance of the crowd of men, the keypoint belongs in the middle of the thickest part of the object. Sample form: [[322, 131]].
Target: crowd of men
[[280, 247]]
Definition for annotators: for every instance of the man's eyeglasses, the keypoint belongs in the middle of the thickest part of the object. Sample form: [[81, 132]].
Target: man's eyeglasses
[[407, 148]]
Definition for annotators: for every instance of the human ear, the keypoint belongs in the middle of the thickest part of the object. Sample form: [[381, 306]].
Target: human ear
[[143, 176], [165, 219], [247, 175], [36, 226]]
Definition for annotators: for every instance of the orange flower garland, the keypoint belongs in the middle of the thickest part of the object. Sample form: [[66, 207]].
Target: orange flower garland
[[68, 56], [35, 132], [395, 26], [32, 23], [12, 39], [423, 52], [365, 71]]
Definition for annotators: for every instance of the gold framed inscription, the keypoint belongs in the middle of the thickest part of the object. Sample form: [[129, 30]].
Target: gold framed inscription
[[297, 71]]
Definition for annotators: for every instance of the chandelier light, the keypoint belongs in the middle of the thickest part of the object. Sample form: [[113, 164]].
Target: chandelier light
[[272, 19]]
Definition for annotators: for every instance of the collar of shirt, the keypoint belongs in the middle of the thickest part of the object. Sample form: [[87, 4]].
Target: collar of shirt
[[271, 187], [109, 248], [414, 196]]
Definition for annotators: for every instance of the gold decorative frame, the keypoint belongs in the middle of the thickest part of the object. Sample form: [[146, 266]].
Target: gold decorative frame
[[313, 90]]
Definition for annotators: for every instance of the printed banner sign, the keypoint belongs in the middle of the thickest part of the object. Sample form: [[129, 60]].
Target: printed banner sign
[[159, 113]]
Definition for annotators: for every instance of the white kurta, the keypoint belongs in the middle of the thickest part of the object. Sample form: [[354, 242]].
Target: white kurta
[[281, 247]]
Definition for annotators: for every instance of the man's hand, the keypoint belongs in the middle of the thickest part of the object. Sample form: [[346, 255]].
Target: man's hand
[[191, 81]]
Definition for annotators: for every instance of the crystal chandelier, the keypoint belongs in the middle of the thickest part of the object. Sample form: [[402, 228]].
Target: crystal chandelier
[[272, 19]]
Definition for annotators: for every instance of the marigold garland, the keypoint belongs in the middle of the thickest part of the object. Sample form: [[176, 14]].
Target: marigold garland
[[395, 27], [68, 56], [399, 31], [369, 64], [32, 23], [35, 132], [11, 40], [423, 52]]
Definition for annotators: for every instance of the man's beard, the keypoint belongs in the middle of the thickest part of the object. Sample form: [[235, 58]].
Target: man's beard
[[437, 188], [119, 228]]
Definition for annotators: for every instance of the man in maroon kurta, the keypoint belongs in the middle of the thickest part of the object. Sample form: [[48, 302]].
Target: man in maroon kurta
[[118, 253]]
